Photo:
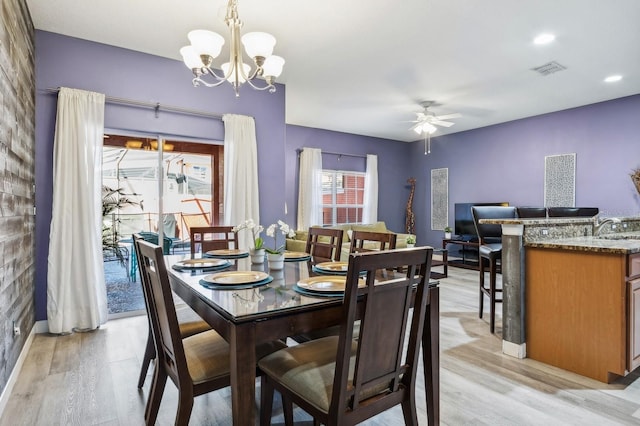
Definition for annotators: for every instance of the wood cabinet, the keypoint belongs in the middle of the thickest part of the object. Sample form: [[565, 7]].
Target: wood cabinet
[[633, 311], [583, 311]]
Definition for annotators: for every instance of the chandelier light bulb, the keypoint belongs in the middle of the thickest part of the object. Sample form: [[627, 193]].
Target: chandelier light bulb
[[258, 44], [231, 74], [273, 66], [206, 42], [190, 57]]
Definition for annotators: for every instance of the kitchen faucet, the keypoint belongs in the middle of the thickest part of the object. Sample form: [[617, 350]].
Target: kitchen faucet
[[599, 225]]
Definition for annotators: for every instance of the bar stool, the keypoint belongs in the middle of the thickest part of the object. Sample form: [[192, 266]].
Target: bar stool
[[490, 250]]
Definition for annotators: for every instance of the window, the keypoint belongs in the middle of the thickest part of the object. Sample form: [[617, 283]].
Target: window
[[342, 197]]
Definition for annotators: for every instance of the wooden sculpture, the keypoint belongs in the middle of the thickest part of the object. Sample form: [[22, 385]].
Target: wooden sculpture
[[410, 223]]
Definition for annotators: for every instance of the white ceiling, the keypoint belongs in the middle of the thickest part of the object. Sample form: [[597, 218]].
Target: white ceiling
[[363, 66]]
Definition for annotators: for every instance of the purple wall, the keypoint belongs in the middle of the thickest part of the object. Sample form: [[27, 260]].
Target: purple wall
[[497, 163], [122, 73], [393, 170], [70, 62], [506, 162]]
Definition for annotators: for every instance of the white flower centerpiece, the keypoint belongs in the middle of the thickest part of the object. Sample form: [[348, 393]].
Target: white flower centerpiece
[[275, 255], [257, 251]]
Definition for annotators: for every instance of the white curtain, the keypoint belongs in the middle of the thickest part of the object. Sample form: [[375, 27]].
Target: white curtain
[[310, 188], [76, 292], [370, 213], [241, 191]]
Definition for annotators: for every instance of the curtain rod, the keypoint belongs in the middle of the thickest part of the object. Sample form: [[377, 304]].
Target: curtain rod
[[155, 106], [339, 154]]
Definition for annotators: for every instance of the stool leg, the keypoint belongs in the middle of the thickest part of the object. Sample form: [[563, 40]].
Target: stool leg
[[492, 294], [481, 286]]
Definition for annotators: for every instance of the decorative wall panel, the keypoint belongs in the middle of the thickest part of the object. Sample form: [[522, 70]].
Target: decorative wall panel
[[17, 142], [439, 199], [560, 180]]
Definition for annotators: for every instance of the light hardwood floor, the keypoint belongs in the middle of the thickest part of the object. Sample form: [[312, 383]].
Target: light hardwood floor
[[90, 379]]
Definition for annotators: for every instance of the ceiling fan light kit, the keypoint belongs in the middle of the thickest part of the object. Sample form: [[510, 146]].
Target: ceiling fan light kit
[[426, 122], [206, 46]]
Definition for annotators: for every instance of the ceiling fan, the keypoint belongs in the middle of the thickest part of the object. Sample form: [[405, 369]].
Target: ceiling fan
[[426, 121]]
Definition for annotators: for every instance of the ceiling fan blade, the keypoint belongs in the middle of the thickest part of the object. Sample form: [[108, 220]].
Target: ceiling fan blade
[[442, 123], [448, 116]]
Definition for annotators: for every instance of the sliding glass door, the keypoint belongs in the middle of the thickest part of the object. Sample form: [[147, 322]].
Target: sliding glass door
[[160, 188]]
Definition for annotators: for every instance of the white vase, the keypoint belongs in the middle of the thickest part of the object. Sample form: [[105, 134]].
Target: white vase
[[447, 235], [276, 261], [257, 256], [411, 245]]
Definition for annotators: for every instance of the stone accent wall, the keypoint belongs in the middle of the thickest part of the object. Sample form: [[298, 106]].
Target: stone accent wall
[[17, 178]]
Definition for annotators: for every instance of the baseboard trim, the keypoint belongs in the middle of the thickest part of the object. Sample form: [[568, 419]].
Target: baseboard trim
[[41, 327], [13, 378], [514, 349]]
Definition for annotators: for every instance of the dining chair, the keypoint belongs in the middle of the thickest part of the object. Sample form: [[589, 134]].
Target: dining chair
[[362, 241], [206, 238], [189, 322], [340, 380], [490, 250], [324, 242], [197, 364]]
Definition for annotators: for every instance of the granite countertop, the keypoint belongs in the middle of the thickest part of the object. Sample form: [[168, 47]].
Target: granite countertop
[[539, 221], [618, 243]]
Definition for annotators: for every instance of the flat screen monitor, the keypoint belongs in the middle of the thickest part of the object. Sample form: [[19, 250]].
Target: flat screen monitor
[[464, 227]]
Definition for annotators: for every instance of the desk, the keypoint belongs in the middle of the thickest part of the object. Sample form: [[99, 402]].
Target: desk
[[250, 316]]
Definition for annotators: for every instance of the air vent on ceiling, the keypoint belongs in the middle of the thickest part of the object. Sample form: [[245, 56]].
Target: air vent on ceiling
[[549, 68]]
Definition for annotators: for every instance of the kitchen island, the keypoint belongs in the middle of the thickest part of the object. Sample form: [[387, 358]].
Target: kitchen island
[[582, 304]]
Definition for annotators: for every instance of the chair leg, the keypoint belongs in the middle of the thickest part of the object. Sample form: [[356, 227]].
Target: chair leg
[[266, 401], [287, 408], [409, 411], [149, 354], [185, 405], [492, 295], [155, 396], [481, 264]]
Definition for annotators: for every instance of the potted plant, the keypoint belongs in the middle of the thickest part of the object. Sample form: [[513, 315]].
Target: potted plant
[[112, 201], [275, 255], [411, 241], [447, 233], [257, 251]]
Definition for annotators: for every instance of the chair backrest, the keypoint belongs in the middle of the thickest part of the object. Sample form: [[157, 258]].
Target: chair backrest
[[161, 309], [324, 242], [530, 212], [573, 211], [382, 377], [490, 212], [206, 238], [152, 238], [384, 240]]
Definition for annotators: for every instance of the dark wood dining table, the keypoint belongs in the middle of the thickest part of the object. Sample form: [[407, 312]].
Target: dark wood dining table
[[249, 316]]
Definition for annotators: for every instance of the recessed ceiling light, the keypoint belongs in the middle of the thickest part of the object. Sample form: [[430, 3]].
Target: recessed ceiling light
[[613, 78], [544, 38]]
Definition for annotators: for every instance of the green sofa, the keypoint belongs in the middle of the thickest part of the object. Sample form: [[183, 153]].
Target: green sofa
[[299, 242]]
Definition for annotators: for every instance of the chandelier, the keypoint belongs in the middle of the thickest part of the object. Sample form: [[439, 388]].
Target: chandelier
[[206, 46]]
